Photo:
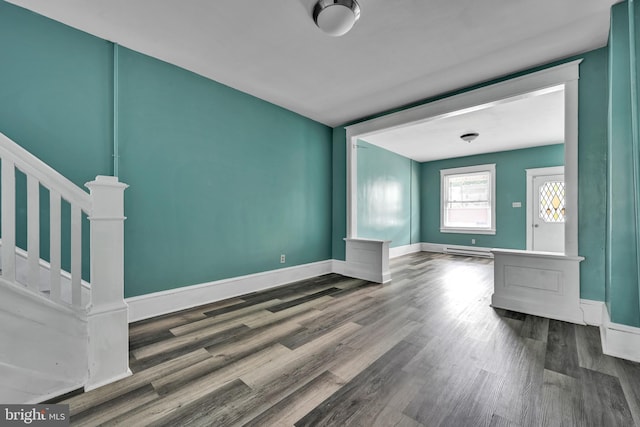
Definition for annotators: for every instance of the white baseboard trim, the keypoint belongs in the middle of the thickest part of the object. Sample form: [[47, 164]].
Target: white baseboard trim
[[339, 267], [592, 311], [432, 247], [108, 381], [443, 248], [619, 340], [159, 303], [536, 309], [404, 250], [54, 394]]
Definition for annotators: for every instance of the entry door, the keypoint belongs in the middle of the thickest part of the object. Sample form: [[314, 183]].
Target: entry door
[[548, 213]]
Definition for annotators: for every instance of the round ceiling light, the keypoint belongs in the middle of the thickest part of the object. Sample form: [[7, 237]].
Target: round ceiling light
[[470, 136], [336, 17]]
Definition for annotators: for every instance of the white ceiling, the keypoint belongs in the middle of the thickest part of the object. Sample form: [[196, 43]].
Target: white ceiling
[[401, 51], [511, 124]]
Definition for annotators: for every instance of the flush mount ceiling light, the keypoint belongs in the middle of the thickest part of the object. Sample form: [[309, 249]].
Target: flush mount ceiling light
[[336, 17], [470, 136]]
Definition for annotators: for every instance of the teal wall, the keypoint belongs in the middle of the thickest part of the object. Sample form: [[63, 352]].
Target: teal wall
[[221, 183], [388, 195], [55, 99], [592, 164], [623, 194], [592, 172], [511, 186]]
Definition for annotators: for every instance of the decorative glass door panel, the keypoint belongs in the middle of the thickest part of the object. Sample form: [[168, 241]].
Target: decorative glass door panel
[[549, 213]]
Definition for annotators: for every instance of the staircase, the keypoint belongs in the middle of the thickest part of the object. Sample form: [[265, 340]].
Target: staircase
[[58, 332]]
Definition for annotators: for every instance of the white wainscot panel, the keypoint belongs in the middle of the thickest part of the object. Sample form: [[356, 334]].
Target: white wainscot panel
[[539, 283], [368, 259]]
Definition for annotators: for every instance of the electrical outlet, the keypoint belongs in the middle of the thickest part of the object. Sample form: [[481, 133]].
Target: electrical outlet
[[473, 241], [283, 258]]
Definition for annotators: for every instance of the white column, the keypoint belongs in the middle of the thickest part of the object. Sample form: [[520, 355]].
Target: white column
[[571, 167], [108, 347]]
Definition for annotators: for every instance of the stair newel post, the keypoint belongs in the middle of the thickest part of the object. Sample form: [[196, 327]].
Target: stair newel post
[[107, 316]]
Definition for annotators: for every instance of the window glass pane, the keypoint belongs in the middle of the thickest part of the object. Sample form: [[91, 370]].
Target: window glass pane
[[476, 215], [467, 201], [552, 202], [471, 187]]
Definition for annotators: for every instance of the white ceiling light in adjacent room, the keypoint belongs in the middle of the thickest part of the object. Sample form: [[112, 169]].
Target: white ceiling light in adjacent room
[[336, 17], [470, 136]]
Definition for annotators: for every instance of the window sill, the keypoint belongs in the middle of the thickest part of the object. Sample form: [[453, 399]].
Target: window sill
[[467, 230]]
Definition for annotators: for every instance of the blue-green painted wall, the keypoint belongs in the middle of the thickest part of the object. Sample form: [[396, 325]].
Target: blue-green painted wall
[[592, 164], [55, 86], [592, 172], [623, 190], [511, 186], [56, 101], [221, 183], [387, 196]]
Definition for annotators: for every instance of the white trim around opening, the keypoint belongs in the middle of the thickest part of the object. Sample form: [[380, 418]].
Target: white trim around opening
[[524, 86]]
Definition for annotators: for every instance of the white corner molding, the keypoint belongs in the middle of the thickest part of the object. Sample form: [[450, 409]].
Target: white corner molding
[[619, 340], [540, 283], [368, 259], [339, 267], [592, 311], [404, 250], [158, 303]]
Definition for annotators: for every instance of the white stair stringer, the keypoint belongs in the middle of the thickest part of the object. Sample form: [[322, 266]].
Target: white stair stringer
[[44, 346], [21, 385]]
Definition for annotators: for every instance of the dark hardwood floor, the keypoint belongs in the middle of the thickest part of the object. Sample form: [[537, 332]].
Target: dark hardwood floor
[[423, 350]]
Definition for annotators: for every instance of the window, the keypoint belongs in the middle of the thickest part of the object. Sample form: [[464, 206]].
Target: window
[[467, 202], [552, 201]]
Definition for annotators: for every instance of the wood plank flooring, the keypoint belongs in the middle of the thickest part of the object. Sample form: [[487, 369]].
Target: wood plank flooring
[[423, 350]]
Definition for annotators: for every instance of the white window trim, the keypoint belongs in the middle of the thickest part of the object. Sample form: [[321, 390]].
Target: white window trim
[[491, 168]]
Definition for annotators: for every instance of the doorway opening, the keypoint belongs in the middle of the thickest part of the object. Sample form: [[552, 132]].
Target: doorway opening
[[540, 283]]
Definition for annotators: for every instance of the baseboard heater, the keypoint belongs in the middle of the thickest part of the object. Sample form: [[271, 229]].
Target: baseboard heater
[[468, 251]]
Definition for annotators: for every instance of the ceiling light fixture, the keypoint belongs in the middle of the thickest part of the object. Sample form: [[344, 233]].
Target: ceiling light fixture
[[336, 17], [470, 136]]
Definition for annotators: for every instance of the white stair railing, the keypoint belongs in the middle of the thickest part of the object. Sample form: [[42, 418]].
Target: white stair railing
[[105, 310], [39, 174]]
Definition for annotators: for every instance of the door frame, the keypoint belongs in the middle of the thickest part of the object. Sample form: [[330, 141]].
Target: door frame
[[531, 174], [566, 74]]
